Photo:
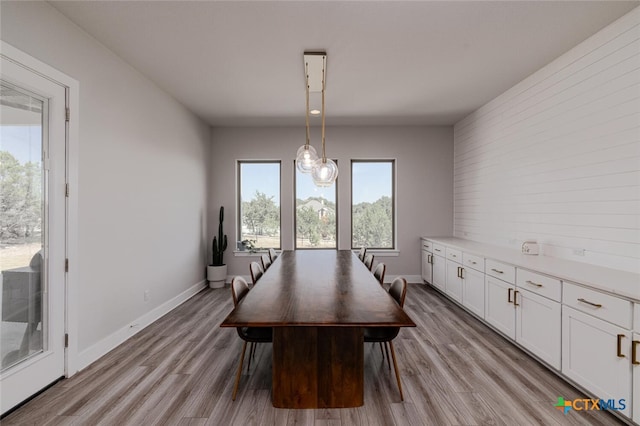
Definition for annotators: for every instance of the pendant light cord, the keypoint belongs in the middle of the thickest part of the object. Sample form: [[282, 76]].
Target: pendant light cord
[[307, 112], [324, 156]]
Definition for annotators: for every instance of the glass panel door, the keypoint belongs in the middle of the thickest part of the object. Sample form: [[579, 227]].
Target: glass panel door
[[32, 232], [22, 126]]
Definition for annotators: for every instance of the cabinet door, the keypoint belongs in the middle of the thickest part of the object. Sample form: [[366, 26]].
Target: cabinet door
[[473, 291], [426, 266], [439, 272], [590, 356], [453, 284], [636, 378], [538, 325], [499, 310]]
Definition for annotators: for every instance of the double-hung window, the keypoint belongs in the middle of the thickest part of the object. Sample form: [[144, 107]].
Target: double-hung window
[[259, 203], [372, 204]]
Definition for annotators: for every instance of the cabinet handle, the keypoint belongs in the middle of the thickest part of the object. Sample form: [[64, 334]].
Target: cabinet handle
[[453, 255], [429, 259], [532, 283], [515, 298], [495, 270], [461, 272], [437, 249], [634, 352], [509, 295], [597, 305], [620, 337], [473, 263]]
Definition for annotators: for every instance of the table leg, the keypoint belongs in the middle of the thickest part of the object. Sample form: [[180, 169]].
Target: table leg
[[318, 367]]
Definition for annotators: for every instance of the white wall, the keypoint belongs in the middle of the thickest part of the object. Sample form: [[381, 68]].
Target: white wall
[[557, 157], [424, 168], [143, 173]]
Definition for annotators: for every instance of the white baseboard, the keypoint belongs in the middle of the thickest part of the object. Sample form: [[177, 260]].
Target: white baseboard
[[104, 346]]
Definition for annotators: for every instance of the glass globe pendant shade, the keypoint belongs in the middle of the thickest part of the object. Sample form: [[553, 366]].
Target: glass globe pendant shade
[[324, 172], [306, 158]]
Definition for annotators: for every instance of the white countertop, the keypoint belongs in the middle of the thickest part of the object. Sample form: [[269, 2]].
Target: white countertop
[[620, 283]]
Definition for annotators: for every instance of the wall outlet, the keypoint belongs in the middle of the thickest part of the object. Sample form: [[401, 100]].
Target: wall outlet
[[578, 252], [147, 295]]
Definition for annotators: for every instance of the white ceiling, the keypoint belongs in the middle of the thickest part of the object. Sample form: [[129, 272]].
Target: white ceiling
[[239, 63]]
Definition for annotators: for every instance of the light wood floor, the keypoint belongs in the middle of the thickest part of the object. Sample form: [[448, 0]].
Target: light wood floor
[[180, 371]]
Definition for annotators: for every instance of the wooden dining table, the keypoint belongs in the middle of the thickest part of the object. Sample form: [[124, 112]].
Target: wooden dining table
[[318, 303]]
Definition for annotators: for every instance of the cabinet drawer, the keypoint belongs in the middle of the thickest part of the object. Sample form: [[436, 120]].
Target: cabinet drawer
[[600, 305], [540, 284], [438, 249], [501, 270], [453, 254], [427, 245], [473, 261]]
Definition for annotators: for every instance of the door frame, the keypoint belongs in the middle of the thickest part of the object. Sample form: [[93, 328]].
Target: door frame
[[72, 90]]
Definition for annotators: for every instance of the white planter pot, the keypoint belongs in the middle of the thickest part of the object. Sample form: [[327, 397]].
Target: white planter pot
[[216, 275]]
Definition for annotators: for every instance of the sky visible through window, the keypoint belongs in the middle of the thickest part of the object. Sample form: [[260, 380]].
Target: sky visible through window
[[372, 180], [264, 177]]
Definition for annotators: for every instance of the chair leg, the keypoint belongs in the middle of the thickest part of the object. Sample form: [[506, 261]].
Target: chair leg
[[235, 387], [386, 348], [250, 352], [395, 366]]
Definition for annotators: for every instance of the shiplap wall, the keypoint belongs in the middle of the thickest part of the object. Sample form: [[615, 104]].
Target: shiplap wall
[[556, 158]]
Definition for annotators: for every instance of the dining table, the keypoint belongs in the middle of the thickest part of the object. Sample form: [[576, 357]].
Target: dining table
[[318, 303]]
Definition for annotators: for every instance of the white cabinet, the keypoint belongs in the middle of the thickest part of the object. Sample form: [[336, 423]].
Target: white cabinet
[[439, 267], [427, 267], [538, 327], [635, 362], [453, 286], [499, 310], [473, 291], [596, 355]]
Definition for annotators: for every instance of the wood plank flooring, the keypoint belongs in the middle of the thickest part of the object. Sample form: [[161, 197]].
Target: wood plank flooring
[[181, 370]]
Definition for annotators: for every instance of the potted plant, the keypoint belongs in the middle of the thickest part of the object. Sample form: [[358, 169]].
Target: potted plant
[[217, 271]]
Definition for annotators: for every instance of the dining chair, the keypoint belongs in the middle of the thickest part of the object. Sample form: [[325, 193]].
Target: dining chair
[[362, 253], [398, 291], [266, 261], [273, 255], [239, 289], [368, 261], [256, 271], [379, 272]]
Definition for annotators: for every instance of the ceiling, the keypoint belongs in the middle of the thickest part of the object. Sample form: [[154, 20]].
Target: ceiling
[[239, 63]]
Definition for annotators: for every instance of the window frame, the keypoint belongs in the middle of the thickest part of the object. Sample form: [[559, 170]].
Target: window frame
[[295, 214], [239, 164], [393, 202]]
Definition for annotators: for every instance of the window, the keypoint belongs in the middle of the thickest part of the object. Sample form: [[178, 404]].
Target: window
[[372, 204], [316, 213], [259, 203]]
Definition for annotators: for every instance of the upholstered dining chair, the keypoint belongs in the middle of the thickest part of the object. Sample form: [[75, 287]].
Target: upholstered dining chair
[[256, 271], [266, 261], [368, 261], [362, 253], [379, 272], [398, 291], [239, 289], [273, 255]]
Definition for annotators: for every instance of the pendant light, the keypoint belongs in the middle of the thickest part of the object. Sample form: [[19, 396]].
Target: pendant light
[[324, 171], [306, 155]]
